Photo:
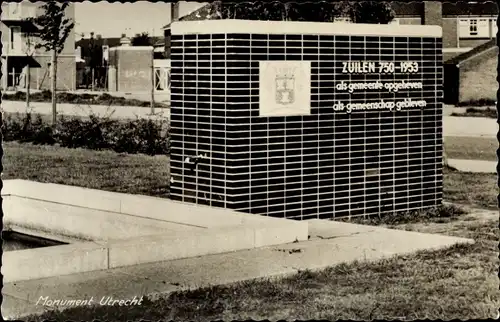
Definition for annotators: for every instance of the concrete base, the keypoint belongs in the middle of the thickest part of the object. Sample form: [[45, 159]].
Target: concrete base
[[123, 230]]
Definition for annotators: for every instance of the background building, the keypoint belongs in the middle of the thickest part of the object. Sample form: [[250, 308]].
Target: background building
[[466, 24], [18, 50], [470, 49], [471, 77], [95, 51], [130, 67]]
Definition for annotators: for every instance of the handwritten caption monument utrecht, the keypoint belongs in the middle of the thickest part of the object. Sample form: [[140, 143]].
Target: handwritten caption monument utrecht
[[369, 67]]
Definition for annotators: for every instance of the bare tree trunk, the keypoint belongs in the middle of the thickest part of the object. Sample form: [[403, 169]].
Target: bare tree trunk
[[53, 66], [28, 85], [153, 76]]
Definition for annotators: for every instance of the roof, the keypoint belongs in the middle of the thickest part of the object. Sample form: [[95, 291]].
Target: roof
[[202, 13], [111, 42], [458, 8], [470, 8], [159, 43], [476, 50]]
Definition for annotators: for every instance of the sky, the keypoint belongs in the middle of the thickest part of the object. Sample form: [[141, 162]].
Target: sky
[[114, 19]]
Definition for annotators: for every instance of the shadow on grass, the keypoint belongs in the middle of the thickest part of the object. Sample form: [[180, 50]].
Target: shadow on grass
[[440, 214]]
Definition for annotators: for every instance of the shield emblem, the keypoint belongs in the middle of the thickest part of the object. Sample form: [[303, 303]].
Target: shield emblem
[[285, 93]]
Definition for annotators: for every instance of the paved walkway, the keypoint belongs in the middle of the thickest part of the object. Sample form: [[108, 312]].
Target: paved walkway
[[477, 166], [330, 243], [115, 112], [470, 126]]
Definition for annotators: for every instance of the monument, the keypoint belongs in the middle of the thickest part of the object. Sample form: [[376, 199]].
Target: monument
[[306, 120]]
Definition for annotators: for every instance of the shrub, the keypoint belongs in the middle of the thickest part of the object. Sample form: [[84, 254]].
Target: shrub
[[136, 136], [26, 129], [480, 102], [93, 133], [46, 95], [12, 126], [105, 96], [488, 112], [17, 96], [143, 136]]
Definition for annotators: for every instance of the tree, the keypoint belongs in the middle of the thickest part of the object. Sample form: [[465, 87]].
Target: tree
[[370, 12], [141, 39], [54, 28], [319, 11]]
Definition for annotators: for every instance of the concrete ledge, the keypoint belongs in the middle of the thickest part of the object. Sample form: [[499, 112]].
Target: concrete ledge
[[375, 236], [213, 241], [82, 223], [52, 261], [281, 232], [134, 205], [127, 229], [67, 195], [42, 233], [92, 256], [161, 248]]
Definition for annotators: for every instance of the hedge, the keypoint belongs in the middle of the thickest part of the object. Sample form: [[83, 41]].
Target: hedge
[[151, 137]]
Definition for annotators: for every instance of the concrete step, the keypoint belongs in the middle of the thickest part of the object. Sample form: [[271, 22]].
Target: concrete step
[[123, 230]]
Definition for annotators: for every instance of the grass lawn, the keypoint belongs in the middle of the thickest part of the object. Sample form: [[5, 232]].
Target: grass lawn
[[106, 170], [147, 175], [471, 148], [478, 190], [459, 282]]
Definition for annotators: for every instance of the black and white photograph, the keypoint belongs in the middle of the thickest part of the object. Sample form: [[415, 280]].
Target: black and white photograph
[[249, 160]]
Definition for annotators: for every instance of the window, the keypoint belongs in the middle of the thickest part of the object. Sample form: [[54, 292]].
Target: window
[[474, 28], [15, 38], [105, 54]]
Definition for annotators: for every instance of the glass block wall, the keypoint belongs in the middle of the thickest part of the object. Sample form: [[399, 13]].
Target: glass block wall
[[338, 159]]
